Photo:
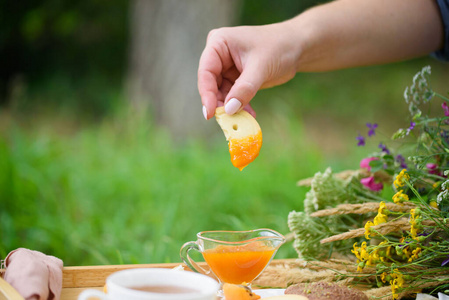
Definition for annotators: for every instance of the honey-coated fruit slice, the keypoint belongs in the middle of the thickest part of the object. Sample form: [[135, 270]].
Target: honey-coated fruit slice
[[243, 134], [238, 292]]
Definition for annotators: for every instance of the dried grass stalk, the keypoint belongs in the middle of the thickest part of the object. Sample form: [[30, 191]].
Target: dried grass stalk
[[380, 293], [341, 175], [384, 228], [376, 293], [364, 208], [334, 264], [278, 277], [301, 271]]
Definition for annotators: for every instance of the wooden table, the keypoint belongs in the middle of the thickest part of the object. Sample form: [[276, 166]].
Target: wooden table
[[77, 279]]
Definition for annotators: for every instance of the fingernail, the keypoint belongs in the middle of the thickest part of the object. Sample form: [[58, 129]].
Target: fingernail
[[232, 106], [205, 112]]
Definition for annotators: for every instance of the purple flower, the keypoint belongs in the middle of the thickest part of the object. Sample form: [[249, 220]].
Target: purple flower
[[401, 160], [384, 148], [372, 128], [412, 126], [445, 262], [371, 184], [445, 108], [361, 140]]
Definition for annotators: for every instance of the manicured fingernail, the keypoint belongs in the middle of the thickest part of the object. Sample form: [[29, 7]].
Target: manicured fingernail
[[205, 112], [232, 106]]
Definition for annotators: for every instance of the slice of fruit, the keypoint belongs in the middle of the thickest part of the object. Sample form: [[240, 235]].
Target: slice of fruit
[[243, 134], [238, 292]]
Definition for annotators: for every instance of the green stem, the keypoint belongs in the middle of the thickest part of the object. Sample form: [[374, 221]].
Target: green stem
[[441, 96]]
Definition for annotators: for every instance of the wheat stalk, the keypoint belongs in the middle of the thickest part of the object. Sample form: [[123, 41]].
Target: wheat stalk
[[282, 276], [341, 175], [383, 229], [364, 208], [379, 293]]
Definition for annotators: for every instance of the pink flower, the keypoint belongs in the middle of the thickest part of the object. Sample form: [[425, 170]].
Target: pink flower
[[364, 163], [371, 184], [433, 168], [445, 109]]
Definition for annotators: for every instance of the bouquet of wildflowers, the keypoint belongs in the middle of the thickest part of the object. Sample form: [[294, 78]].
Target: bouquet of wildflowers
[[391, 215]]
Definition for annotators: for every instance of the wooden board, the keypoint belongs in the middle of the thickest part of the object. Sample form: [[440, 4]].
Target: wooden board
[[7, 292], [77, 279]]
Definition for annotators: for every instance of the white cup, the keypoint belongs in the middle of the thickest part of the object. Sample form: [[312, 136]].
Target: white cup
[[119, 285]]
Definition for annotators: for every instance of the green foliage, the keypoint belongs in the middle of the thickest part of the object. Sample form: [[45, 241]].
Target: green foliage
[[116, 189], [327, 191], [259, 12], [124, 192], [408, 245], [107, 190], [40, 38]]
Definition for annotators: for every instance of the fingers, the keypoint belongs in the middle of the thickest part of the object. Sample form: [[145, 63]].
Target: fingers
[[244, 89], [208, 90], [249, 109], [228, 73], [209, 79]]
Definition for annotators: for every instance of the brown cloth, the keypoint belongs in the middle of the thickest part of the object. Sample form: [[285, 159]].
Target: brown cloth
[[34, 275]]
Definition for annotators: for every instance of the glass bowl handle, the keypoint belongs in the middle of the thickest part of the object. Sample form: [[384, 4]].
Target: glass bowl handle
[[185, 250]]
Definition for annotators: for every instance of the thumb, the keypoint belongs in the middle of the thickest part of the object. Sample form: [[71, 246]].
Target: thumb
[[244, 89]]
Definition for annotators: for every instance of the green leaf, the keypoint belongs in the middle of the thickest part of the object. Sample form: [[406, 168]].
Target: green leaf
[[376, 165]]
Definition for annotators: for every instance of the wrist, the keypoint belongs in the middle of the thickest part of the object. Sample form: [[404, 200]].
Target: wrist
[[305, 34]]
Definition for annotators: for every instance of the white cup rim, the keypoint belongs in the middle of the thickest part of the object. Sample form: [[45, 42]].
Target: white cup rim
[[209, 285]]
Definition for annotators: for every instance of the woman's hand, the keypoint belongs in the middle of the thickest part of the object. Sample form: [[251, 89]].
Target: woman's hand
[[239, 61]]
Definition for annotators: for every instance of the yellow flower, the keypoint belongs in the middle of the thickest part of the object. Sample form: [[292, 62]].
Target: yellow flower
[[433, 204], [400, 197], [386, 254], [360, 266], [415, 254], [394, 289], [383, 277], [373, 258], [382, 206], [356, 251], [406, 252], [396, 283], [360, 252], [367, 229], [363, 253], [400, 179], [415, 216], [389, 251], [381, 217], [413, 232]]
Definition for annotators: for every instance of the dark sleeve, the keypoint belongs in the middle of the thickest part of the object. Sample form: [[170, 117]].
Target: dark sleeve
[[443, 54]]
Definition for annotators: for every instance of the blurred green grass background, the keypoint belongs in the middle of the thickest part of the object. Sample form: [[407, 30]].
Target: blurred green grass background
[[86, 178], [122, 190]]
